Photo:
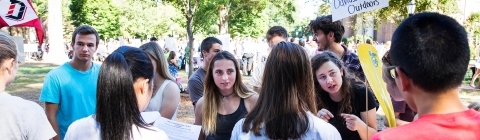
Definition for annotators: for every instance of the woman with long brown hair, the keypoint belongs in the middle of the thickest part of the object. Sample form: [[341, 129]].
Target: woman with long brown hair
[[166, 94], [226, 99], [286, 106], [341, 98]]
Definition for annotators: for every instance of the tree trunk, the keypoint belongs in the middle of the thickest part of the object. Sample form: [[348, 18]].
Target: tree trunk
[[26, 35], [363, 28], [223, 20], [55, 33], [354, 25], [190, 45]]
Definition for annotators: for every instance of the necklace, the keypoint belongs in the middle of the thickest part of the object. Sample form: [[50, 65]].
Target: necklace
[[226, 97]]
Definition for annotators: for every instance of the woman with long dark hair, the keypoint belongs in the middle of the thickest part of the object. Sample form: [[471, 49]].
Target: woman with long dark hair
[[123, 91], [341, 98], [172, 64], [226, 99], [286, 106]]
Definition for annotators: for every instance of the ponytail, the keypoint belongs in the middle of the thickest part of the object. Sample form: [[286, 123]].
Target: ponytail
[[117, 109]]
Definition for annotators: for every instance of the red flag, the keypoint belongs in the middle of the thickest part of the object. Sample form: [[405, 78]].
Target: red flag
[[20, 13]]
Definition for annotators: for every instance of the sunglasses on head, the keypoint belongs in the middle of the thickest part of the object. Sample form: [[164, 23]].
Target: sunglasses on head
[[386, 58], [392, 72]]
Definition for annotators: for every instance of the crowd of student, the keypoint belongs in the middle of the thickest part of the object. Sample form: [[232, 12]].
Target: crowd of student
[[296, 95]]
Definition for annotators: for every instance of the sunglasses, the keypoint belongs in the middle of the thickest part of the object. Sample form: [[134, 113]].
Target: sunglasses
[[392, 72], [386, 58]]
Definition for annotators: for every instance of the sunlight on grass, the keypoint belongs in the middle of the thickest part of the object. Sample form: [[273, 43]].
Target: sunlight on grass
[[25, 83], [34, 70]]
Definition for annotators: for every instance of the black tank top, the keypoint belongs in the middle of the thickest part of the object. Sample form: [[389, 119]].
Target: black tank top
[[225, 123]]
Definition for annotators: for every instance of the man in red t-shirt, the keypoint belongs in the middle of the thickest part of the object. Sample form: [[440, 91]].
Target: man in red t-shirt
[[431, 54]]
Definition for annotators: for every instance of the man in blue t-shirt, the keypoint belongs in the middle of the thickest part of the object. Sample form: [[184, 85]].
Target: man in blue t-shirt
[[69, 91]]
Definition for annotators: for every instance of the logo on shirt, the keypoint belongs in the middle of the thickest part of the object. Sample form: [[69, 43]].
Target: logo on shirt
[[373, 57]]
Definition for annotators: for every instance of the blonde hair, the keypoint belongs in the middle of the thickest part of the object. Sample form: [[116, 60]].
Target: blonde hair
[[210, 93], [387, 45], [155, 51], [8, 48]]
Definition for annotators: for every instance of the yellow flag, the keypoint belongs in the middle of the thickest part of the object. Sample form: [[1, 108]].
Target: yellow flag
[[372, 67]]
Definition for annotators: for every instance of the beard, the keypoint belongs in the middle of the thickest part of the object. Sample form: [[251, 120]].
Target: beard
[[324, 46]]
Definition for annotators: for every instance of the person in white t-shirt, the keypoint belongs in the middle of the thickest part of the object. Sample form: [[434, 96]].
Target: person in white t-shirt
[[20, 119], [275, 35], [286, 106], [124, 89]]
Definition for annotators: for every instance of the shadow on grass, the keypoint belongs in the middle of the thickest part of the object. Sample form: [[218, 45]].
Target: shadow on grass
[[29, 80], [25, 82]]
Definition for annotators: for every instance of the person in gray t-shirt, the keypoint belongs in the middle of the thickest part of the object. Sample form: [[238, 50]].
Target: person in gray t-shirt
[[209, 47]]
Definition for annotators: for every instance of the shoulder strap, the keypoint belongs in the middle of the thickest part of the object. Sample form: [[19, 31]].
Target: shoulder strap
[[162, 87]]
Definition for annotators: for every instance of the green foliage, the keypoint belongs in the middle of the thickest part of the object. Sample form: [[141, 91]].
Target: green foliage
[[301, 28], [397, 9], [474, 22], [248, 20], [359, 37], [278, 16], [206, 18], [68, 27], [141, 18], [100, 14], [41, 7], [324, 9]]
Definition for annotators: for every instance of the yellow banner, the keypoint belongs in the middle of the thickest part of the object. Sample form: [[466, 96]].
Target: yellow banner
[[372, 67]]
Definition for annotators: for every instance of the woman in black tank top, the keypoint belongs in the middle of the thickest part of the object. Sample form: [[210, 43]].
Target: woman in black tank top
[[226, 99]]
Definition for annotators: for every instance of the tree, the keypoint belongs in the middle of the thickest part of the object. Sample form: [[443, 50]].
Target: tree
[[281, 13], [473, 22], [398, 8], [100, 14], [324, 8], [472, 27], [246, 13], [141, 18], [188, 9], [244, 24], [68, 27], [228, 8]]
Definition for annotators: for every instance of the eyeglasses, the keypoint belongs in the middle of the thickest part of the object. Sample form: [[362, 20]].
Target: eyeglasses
[[386, 58]]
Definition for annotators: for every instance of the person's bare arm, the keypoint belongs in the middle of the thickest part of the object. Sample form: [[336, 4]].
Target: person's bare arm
[[174, 62], [198, 117], [397, 121], [170, 100], [364, 132], [51, 111]]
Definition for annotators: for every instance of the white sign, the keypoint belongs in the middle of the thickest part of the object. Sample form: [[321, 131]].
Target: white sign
[[30, 47], [225, 41], [122, 41], [170, 44], [174, 130], [136, 43], [345, 8]]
